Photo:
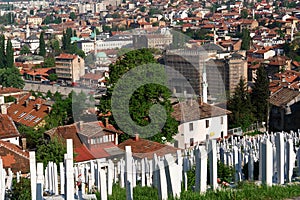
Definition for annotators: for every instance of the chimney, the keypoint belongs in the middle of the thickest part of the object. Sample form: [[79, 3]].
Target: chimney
[[24, 146], [116, 139], [201, 101], [80, 125], [38, 106], [3, 110], [49, 109], [136, 137], [26, 102], [106, 122]]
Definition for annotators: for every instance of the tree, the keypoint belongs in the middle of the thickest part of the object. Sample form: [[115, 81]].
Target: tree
[[25, 50], [2, 52], [20, 191], [52, 150], [9, 54], [11, 77], [244, 14], [52, 77], [246, 39], [144, 97], [241, 108], [49, 62], [42, 45], [72, 16], [260, 94]]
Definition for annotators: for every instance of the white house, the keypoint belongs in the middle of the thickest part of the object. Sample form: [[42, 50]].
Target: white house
[[197, 120]]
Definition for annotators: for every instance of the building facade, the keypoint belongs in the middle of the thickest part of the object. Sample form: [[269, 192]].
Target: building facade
[[69, 68]]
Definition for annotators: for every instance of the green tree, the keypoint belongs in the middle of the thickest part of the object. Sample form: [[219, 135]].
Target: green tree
[[260, 94], [33, 137], [9, 54], [246, 39], [31, 12], [244, 14], [11, 77], [52, 77], [2, 52], [42, 45], [49, 62], [241, 108], [21, 190], [52, 150], [143, 98], [25, 50], [72, 16]]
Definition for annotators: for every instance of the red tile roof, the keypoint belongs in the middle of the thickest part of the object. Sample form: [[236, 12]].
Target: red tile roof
[[9, 90], [7, 127], [143, 148], [26, 112], [66, 56], [14, 157]]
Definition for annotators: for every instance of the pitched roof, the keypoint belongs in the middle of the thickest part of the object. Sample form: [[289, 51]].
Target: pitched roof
[[192, 110], [66, 56], [283, 97], [9, 90], [7, 127], [14, 157], [28, 111], [143, 148]]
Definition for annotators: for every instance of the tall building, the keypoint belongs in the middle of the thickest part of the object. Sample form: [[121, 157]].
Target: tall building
[[69, 68], [223, 70]]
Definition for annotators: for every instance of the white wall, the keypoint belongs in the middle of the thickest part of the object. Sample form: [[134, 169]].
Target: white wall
[[13, 140], [200, 131]]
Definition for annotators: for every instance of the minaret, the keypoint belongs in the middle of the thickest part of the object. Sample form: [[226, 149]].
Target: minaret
[[215, 36], [204, 85], [95, 46], [27, 31], [253, 13], [292, 32]]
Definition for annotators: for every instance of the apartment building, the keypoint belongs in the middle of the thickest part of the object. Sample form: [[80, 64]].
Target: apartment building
[[69, 68]]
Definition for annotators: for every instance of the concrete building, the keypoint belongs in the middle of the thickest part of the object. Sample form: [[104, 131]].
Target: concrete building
[[224, 70], [160, 41], [69, 68], [115, 42]]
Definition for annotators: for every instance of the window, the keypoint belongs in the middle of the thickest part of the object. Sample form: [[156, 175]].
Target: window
[[191, 126], [222, 134], [206, 123], [222, 120]]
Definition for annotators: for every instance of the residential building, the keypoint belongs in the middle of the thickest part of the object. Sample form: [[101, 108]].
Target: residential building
[[115, 42], [91, 140], [159, 41], [14, 157], [29, 111], [198, 120], [285, 110], [69, 68], [34, 20]]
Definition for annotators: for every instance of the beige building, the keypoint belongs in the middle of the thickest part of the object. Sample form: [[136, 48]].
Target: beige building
[[35, 20], [159, 41], [69, 68]]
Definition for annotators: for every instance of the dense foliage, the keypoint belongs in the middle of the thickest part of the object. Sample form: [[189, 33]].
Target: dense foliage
[[20, 191], [246, 39], [260, 94], [143, 98], [42, 45], [240, 106]]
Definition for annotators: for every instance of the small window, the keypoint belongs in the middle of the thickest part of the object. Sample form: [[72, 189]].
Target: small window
[[222, 120], [191, 126], [222, 134], [207, 123]]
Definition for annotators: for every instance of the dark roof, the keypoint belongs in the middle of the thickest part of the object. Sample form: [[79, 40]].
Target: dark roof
[[32, 37], [212, 47], [191, 110], [283, 97]]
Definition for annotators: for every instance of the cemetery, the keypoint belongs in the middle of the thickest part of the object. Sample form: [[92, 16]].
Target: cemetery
[[264, 160]]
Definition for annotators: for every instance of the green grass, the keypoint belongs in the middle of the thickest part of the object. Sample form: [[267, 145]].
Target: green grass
[[245, 191]]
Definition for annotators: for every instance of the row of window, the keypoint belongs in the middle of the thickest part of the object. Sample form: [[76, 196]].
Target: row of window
[[191, 125]]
